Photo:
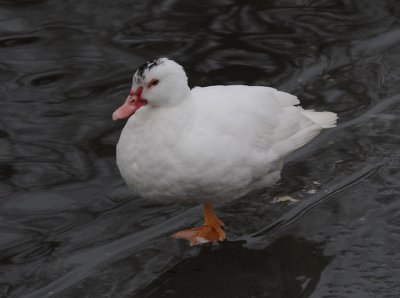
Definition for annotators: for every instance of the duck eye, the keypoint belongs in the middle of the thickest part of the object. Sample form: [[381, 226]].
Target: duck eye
[[154, 83]]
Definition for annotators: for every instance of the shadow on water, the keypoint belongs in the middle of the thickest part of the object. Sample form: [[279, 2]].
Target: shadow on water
[[289, 267]]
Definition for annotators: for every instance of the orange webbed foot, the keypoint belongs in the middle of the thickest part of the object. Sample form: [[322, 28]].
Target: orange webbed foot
[[210, 231], [203, 234]]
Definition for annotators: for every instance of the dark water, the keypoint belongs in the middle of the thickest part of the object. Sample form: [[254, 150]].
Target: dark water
[[71, 228]]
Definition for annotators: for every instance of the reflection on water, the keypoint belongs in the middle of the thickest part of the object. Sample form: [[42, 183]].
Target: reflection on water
[[287, 268], [70, 227]]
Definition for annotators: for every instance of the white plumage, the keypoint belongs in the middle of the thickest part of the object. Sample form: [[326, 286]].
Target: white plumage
[[208, 144]]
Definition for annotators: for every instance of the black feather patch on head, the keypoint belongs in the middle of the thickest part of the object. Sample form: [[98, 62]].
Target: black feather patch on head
[[139, 76]]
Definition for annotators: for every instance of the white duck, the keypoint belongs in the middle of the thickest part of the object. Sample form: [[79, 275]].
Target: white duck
[[207, 144]]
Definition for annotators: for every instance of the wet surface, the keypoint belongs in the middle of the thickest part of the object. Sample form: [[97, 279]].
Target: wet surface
[[69, 227]]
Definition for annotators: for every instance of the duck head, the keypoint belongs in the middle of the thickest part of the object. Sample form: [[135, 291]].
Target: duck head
[[157, 83]]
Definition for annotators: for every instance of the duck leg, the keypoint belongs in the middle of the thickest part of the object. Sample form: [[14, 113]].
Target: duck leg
[[211, 230]]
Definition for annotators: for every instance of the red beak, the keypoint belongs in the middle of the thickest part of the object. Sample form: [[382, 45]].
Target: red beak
[[133, 102]]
